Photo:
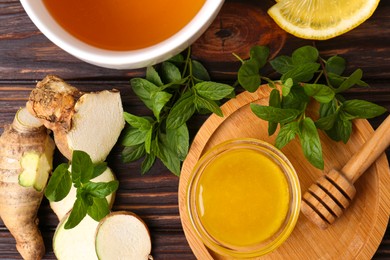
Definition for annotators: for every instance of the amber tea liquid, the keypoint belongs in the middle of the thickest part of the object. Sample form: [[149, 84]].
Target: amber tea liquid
[[123, 24]]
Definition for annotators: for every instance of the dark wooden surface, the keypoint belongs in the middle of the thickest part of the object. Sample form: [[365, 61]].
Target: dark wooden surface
[[27, 56]]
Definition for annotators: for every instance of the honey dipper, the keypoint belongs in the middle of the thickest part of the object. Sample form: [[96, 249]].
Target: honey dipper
[[326, 199]]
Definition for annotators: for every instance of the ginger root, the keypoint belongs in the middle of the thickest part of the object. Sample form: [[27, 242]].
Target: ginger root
[[26, 154], [90, 122]]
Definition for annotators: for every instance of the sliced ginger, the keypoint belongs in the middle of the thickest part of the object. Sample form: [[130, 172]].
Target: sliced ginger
[[123, 235], [90, 122], [77, 243]]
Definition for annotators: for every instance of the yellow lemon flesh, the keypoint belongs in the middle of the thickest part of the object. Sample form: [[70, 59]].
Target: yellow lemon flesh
[[321, 19]]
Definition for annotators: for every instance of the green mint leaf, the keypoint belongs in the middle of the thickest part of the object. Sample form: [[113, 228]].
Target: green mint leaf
[[134, 136], [326, 122], [328, 115], [335, 80], [199, 71], [212, 90], [159, 100], [207, 104], [99, 209], [181, 111], [321, 93], [82, 167], [327, 109], [362, 108], [153, 76], [341, 129], [98, 169], [231, 95], [286, 133], [274, 101], [248, 75], [282, 64], [79, 211], [305, 54], [274, 114], [148, 162], [333, 132], [344, 129], [361, 83], [178, 140], [148, 140], [344, 115], [310, 142], [154, 98], [88, 199], [286, 86], [301, 73], [170, 73], [167, 156], [144, 89], [259, 54], [59, 183], [177, 59], [350, 81], [133, 153], [296, 99], [174, 86], [137, 121], [101, 189], [335, 64]]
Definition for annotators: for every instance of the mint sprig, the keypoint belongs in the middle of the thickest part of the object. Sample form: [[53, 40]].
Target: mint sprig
[[306, 76], [174, 91], [91, 196]]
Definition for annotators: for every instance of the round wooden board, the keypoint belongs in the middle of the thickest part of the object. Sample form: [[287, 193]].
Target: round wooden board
[[355, 235]]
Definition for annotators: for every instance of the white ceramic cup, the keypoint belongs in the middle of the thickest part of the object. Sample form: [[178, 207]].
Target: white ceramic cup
[[134, 59]]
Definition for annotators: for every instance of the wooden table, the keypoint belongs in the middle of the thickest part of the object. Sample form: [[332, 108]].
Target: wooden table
[[27, 56]]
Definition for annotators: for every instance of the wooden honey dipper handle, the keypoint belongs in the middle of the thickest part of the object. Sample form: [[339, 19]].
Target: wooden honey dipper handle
[[327, 199], [368, 153]]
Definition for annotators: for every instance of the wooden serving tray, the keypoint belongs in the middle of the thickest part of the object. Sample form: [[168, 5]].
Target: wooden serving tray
[[355, 235]]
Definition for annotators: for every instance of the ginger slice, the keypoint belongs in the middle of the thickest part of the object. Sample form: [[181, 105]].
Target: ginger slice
[[97, 124], [77, 243], [123, 235], [90, 122]]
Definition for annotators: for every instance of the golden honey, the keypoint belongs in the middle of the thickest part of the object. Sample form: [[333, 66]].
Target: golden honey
[[243, 198], [246, 190]]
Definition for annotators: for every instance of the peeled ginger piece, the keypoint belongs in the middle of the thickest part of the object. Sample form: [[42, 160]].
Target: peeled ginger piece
[[123, 235]]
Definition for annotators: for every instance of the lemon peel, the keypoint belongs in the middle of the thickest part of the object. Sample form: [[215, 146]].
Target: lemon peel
[[321, 19]]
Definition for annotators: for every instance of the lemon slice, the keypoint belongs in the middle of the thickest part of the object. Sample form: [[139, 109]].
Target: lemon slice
[[321, 19]]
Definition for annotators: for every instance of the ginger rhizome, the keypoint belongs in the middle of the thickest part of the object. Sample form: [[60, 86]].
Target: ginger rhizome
[[26, 154]]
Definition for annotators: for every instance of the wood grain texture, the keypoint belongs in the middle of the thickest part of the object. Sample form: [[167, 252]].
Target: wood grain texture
[[355, 235], [26, 56]]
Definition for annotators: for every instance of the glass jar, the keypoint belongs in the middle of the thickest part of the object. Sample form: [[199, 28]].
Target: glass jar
[[243, 198]]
